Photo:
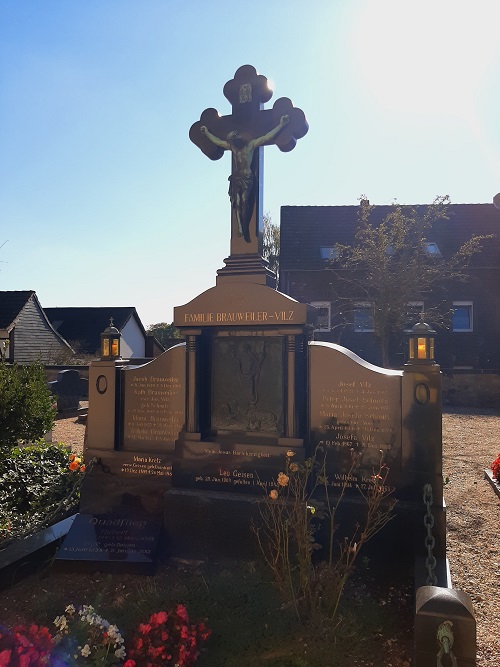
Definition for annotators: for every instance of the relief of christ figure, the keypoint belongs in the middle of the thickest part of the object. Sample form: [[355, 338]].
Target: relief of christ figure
[[241, 181]]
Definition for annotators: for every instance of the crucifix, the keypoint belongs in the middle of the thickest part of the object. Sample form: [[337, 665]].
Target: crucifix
[[244, 132]]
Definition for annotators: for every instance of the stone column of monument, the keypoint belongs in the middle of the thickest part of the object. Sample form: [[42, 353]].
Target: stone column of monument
[[102, 425]]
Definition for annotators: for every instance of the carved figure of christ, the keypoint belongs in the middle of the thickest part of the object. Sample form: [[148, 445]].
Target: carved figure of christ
[[241, 181]]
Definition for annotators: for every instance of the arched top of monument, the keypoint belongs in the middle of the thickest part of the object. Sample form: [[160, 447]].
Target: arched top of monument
[[338, 349]]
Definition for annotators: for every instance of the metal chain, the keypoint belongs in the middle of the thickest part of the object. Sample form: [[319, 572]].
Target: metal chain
[[429, 541]]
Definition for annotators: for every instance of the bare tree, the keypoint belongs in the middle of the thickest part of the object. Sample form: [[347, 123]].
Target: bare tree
[[391, 265], [271, 243]]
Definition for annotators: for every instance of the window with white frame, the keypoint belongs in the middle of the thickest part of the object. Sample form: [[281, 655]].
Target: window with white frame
[[462, 316], [324, 315], [363, 317]]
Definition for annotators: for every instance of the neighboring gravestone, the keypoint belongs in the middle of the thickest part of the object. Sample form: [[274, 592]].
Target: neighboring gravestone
[[69, 389], [111, 542]]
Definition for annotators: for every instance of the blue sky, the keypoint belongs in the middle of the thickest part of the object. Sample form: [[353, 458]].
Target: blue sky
[[105, 201]]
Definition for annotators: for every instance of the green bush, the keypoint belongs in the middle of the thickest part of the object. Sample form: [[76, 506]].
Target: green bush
[[36, 488], [26, 404]]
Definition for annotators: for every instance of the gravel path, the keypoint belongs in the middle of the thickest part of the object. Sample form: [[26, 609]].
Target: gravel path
[[471, 441]]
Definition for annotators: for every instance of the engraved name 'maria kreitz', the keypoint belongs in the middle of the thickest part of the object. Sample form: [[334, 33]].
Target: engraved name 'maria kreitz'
[[244, 316]]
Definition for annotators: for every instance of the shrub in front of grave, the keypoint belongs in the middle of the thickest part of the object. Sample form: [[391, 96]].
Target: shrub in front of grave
[[39, 484], [495, 468], [26, 404], [291, 517]]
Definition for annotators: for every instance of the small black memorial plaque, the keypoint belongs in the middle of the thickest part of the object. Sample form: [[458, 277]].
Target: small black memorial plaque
[[111, 542]]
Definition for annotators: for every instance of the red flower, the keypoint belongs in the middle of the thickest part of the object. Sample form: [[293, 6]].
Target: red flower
[[166, 640], [160, 617], [495, 468]]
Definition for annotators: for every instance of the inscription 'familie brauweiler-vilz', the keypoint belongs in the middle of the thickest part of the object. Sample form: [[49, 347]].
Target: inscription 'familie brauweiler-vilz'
[[244, 316]]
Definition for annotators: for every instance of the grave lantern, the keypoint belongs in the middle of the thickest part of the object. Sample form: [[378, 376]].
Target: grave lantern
[[421, 343], [110, 342]]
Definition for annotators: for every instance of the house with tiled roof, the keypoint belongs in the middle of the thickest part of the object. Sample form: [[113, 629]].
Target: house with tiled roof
[[309, 235], [26, 335], [83, 327]]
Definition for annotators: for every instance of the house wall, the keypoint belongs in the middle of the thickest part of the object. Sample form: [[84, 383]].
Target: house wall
[[34, 339], [478, 349], [305, 276], [133, 343]]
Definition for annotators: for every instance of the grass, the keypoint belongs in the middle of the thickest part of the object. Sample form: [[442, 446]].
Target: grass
[[250, 627]]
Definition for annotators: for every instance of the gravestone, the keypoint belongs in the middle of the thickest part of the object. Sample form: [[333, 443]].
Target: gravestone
[[114, 543], [195, 436], [69, 389]]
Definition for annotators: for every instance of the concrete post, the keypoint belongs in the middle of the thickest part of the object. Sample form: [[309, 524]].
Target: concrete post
[[445, 628]]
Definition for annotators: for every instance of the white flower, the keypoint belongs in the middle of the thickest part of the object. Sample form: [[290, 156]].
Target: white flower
[[61, 622], [85, 651], [70, 609], [120, 652], [113, 631]]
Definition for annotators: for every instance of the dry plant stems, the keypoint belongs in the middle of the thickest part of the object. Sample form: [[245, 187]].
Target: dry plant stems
[[291, 515]]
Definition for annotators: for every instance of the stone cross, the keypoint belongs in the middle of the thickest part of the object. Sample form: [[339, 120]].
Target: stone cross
[[244, 132]]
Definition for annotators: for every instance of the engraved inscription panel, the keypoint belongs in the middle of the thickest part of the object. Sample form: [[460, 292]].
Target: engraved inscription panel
[[154, 402], [110, 538], [247, 392], [237, 468], [354, 406]]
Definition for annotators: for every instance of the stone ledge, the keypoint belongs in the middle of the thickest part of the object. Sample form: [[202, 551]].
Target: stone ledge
[[489, 476], [26, 555]]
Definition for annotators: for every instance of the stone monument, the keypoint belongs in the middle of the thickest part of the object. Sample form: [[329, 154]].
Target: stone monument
[[191, 439]]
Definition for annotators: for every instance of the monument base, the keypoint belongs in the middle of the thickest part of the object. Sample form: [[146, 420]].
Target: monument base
[[210, 525], [251, 268]]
